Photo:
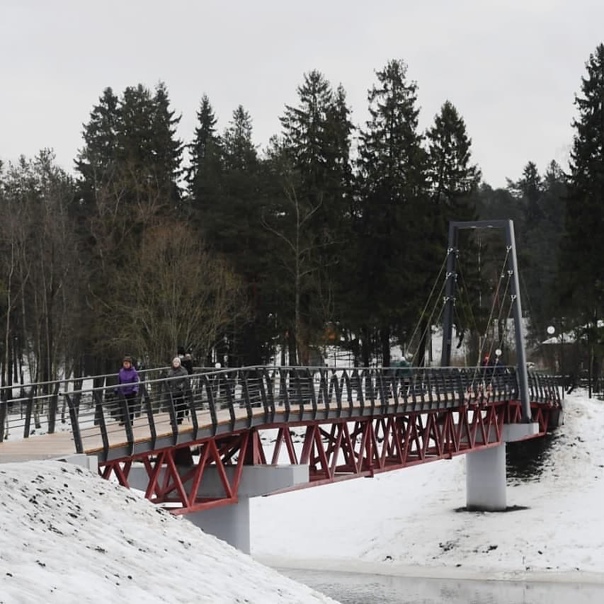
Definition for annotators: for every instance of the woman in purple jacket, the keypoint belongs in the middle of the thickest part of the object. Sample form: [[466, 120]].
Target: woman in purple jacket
[[128, 380]]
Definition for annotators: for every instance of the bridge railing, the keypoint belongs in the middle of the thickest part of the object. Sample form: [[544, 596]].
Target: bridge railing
[[232, 396]]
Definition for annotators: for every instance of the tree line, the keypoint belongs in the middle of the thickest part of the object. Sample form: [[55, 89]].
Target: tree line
[[332, 234]]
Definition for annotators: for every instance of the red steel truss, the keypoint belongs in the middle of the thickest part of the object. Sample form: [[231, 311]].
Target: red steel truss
[[334, 450]]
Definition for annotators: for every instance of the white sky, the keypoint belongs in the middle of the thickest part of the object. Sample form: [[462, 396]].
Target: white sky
[[511, 67], [68, 535]]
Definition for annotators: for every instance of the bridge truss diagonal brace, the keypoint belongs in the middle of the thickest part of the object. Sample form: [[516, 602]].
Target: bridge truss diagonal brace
[[222, 470]]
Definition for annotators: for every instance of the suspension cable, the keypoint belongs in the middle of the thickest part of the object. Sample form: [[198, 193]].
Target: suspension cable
[[428, 303], [468, 316], [502, 274], [491, 312]]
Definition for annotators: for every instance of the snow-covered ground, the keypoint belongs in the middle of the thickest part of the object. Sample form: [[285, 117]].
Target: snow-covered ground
[[412, 521], [70, 536]]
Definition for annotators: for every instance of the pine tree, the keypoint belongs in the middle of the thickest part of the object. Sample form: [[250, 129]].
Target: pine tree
[[129, 172], [316, 143], [582, 277], [96, 162], [452, 178], [204, 173], [168, 149], [392, 218], [237, 233]]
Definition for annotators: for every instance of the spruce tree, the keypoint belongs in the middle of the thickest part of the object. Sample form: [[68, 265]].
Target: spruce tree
[[204, 173], [538, 237], [230, 223], [393, 217], [167, 148], [453, 181], [239, 150], [452, 178], [96, 161], [150, 155], [130, 143], [129, 172], [238, 234], [582, 277], [316, 143]]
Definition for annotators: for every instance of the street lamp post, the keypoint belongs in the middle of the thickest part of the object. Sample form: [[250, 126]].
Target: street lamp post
[[551, 330]]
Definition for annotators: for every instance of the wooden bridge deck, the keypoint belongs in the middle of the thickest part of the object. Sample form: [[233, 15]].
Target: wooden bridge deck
[[62, 444]]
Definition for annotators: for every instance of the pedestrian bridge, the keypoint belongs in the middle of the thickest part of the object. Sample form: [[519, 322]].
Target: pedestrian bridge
[[256, 431], [341, 422]]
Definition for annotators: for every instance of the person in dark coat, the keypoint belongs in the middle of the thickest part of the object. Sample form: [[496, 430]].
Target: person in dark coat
[[487, 367], [403, 373], [187, 363], [128, 381], [178, 384]]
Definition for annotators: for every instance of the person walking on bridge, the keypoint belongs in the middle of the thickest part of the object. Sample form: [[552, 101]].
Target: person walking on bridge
[[128, 381], [178, 384], [403, 373]]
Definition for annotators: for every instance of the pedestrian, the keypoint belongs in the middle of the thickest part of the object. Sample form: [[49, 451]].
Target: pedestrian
[[487, 367], [178, 384], [403, 373], [187, 363], [128, 381]]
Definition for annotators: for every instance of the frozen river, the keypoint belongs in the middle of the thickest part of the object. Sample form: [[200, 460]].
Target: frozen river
[[354, 588]]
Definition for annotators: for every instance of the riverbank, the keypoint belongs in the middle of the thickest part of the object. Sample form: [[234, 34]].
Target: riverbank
[[413, 520], [359, 567]]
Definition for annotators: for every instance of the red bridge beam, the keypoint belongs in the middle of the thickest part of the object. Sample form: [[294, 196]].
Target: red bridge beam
[[334, 450]]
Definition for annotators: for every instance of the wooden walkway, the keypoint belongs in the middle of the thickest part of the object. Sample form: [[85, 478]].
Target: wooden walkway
[[46, 446], [62, 444]]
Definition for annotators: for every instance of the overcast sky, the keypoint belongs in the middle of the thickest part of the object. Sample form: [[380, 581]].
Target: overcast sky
[[511, 67]]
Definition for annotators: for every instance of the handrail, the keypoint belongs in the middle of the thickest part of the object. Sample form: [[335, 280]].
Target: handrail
[[215, 398], [65, 383]]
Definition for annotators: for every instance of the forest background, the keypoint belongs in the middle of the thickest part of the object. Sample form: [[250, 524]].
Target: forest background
[[334, 234]]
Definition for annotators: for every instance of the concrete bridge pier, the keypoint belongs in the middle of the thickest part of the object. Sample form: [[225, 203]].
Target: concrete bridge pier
[[486, 479], [90, 462], [231, 523], [486, 470]]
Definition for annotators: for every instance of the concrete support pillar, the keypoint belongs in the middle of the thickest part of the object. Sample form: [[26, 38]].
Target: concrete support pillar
[[231, 523], [486, 479], [486, 471], [90, 462]]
